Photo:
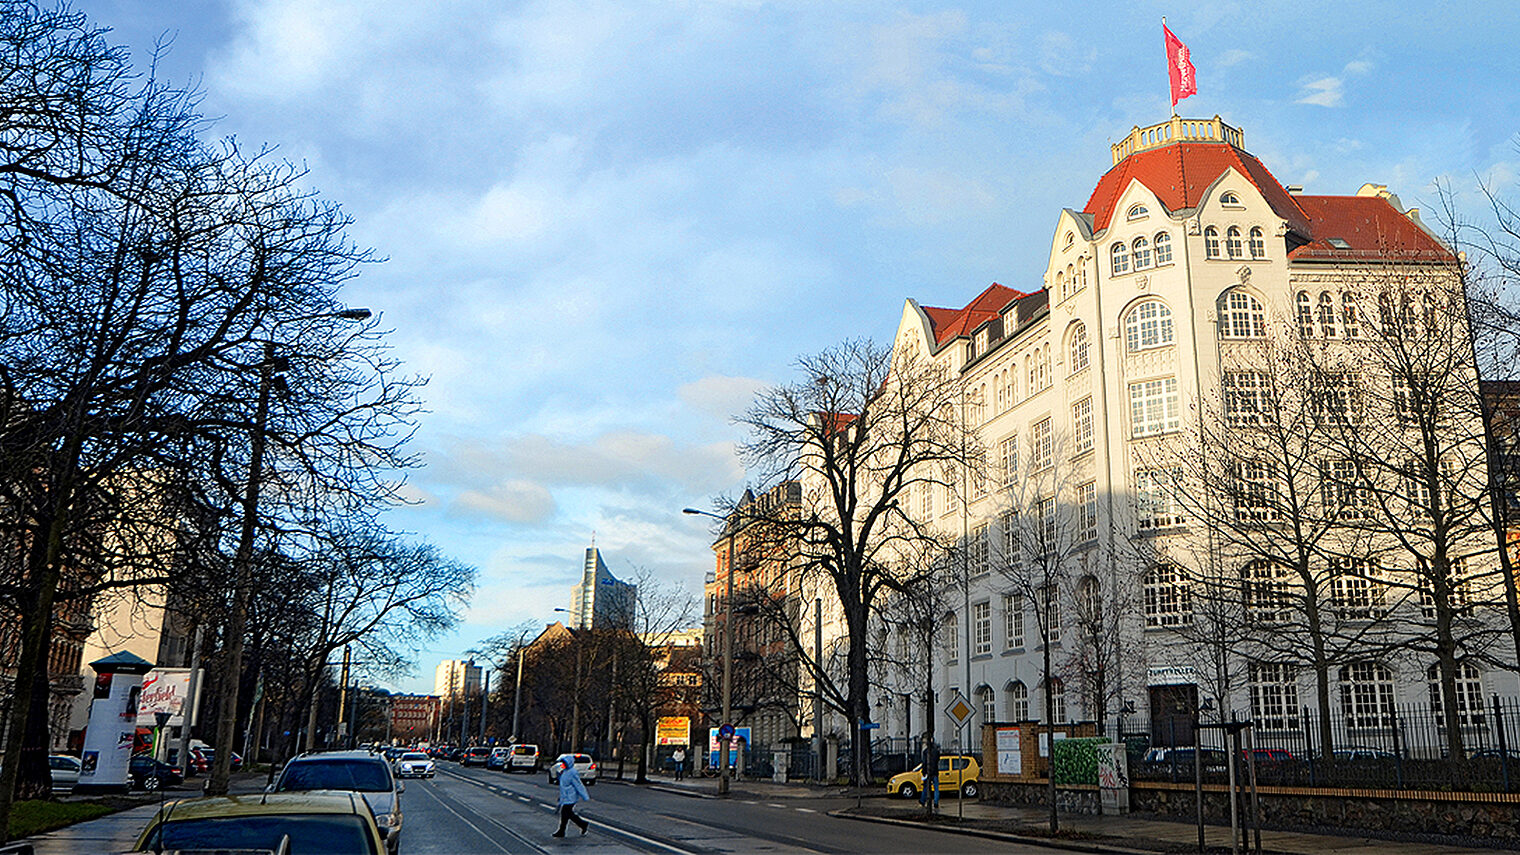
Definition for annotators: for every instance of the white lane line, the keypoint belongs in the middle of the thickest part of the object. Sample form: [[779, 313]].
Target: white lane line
[[807, 810], [780, 807], [467, 822]]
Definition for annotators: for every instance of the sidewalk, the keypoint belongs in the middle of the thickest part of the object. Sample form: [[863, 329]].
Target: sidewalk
[[117, 832], [1080, 833]]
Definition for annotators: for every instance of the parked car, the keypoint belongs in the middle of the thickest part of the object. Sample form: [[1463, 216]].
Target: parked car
[[1183, 759], [205, 758], [275, 822], [65, 771], [1495, 754], [415, 764], [957, 772], [498, 758], [353, 771], [475, 756], [1358, 753], [583, 763], [1269, 755], [145, 773], [524, 759]]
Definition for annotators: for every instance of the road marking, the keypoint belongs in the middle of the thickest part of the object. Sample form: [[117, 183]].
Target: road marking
[[462, 818], [781, 807], [807, 810]]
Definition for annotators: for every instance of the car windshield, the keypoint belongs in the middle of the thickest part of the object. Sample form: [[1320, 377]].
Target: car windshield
[[335, 834], [414, 756], [361, 775]]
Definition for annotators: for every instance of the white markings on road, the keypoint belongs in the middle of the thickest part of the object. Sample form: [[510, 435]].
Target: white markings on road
[[806, 810], [462, 819]]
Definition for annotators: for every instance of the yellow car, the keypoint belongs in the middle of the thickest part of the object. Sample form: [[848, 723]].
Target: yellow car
[[278, 823], [956, 772]]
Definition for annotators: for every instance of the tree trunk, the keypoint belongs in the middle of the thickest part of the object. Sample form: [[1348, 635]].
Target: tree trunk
[[1050, 739]]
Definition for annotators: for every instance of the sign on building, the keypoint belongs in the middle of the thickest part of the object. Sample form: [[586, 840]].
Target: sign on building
[[164, 690], [673, 730]]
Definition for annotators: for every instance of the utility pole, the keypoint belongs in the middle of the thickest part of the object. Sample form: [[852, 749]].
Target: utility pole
[[818, 686], [343, 695], [190, 708], [485, 695], [517, 690]]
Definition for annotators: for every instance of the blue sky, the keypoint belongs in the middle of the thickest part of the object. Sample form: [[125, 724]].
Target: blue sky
[[608, 223]]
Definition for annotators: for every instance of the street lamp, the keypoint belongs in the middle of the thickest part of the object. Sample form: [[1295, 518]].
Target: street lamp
[[728, 646], [575, 702], [237, 622]]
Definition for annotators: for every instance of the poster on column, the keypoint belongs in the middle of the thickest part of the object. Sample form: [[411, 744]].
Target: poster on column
[[109, 738], [1010, 754]]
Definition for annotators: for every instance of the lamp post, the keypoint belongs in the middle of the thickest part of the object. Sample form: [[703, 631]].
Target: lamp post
[[728, 645], [575, 702], [237, 622], [517, 689]]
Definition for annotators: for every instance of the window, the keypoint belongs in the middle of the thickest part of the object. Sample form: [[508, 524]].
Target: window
[[1148, 325], [1163, 245], [1264, 591], [1042, 451], [1155, 499], [1070, 239], [979, 476], [1247, 395], [1229, 197], [1417, 489], [1078, 347], [1305, 315], [1089, 601], [1232, 242], [925, 499], [976, 551], [1082, 426], [1336, 401], [1347, 494], [1211, 242], [1018, 701], [1366, 696], [981, 628], [1459, 594], [952, 639], [1057, 699], [1327, 313], [1008, 457], [1118, 257], [1351, 319], [1045, 524], [1013, 620], [1168, 599], [1009, 523], [1254, 489], [950, 499], [1244, 316], [1050, 603], [1137, 212], [1061, 284], [1356, 589], [1274, 696], [1469, 691], [1087, 511], [984, 700], [1142, 250], [1258, 243], [1039, 369], [1153, 407], [1404, 400]]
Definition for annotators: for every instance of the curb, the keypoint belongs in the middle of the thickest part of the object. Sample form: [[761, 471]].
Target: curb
[[1048, 842]]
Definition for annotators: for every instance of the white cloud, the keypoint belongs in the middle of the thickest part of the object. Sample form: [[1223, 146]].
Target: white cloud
[[1062, 56], [513, 502], [1324, 92], [722, 397], [1234, 56]]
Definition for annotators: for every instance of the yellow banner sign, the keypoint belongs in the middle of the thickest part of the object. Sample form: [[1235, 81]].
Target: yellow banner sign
[[673, 730]]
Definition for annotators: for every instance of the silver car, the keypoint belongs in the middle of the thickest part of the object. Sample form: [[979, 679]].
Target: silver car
[[584, 765], [355, 771], [415, 764]]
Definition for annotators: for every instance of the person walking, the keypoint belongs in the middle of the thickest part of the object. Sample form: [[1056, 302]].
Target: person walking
[[931, 773], [571, 790], [680, 757]]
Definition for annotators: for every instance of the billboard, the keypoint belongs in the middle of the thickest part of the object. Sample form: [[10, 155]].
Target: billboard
[[673, 730], [164, 690]]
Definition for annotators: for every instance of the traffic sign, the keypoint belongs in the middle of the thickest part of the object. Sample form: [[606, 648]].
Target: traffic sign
[[960, 709], [725, 731], [869, 725]]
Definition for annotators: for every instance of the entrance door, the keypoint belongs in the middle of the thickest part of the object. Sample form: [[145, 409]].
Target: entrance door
[[1172, 714]]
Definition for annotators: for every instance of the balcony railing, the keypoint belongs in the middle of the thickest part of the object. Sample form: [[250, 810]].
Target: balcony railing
[[1177, 129]]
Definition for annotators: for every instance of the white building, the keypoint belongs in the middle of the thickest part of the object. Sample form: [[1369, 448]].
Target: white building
[[457, 679]]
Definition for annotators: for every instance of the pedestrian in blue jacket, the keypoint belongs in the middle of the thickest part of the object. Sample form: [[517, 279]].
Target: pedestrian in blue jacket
[[571, 790]]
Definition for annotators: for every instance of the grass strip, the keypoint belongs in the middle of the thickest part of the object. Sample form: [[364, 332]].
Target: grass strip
[[40, 815]]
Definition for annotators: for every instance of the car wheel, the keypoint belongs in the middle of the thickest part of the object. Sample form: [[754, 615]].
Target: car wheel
[[908, 791], [968, 790], [151, 783]]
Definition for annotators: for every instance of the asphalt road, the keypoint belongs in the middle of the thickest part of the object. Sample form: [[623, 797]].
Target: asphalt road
[[467, 811]]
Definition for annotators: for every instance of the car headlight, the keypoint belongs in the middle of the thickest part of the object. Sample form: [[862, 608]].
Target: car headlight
[[385, 820]]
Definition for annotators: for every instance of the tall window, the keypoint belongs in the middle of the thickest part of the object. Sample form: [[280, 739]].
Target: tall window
[[1258, 243], [1119, 259], [1050, 601], [925, 499], [1232, 242], [976, 551], [1469, 695], [1057, 691], [1042, 451], [1274, 696], [1264, 591], [1244, 316], [1045, 520], [1347, 493], [1356, 589], [1366, 696], [981, 628], [1351, 318], [1168, 599], [1327, 313], [1211, 242], [1163, 248], [1078, 348], [1305, 314], [1336, 398], [952, 636], [1082, 425], [1153, 407], [1008, 457], [1246, 397], [1018, 701], [1013, 620], [1087, 511], [1254, 489], [985, 700], [1142, 249], [1010, 554], [1148, 325], [1155, 498]]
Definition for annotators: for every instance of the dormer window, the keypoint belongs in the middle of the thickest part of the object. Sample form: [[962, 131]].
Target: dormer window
[[1137, 212], [1230, 197]]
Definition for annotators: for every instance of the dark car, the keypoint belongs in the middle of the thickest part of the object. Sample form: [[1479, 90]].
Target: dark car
[[352, 771], [145, 773], [476, 756], [1268, 755]]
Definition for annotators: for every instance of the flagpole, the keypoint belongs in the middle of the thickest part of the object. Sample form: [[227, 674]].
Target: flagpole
[[1169, 69]]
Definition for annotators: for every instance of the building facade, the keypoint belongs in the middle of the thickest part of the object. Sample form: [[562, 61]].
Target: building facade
[[457, 679], [600, 600]]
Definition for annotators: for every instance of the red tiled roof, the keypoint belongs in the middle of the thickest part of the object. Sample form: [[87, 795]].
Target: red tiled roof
[[1164, 169], [949, 323], [1369, 225]]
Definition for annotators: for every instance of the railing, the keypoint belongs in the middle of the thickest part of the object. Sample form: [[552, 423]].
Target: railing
[[1177, 129]]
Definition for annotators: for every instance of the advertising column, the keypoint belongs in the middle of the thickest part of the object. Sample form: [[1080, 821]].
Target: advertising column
[[113, 723]]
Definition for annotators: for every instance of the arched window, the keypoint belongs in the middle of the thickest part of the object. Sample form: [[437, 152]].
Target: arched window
[[1119, 259], [1077, 355], [1168, 599], [1211, 242], [1366, 696], [986, 701], [1232, 242], [1244, 316], [1081, 272], [1258, 243], [1229, 198], [1142, 253], [1018, 700], [1089, 601], [1137, 212], [1071, 279], [1148, 325], [1060, 285], [1163, 248], [1305, 315], [1070, 239], [1327, 326], [1469, 695]]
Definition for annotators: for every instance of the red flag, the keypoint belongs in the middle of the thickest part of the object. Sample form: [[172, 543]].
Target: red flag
[[1179, 67]]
